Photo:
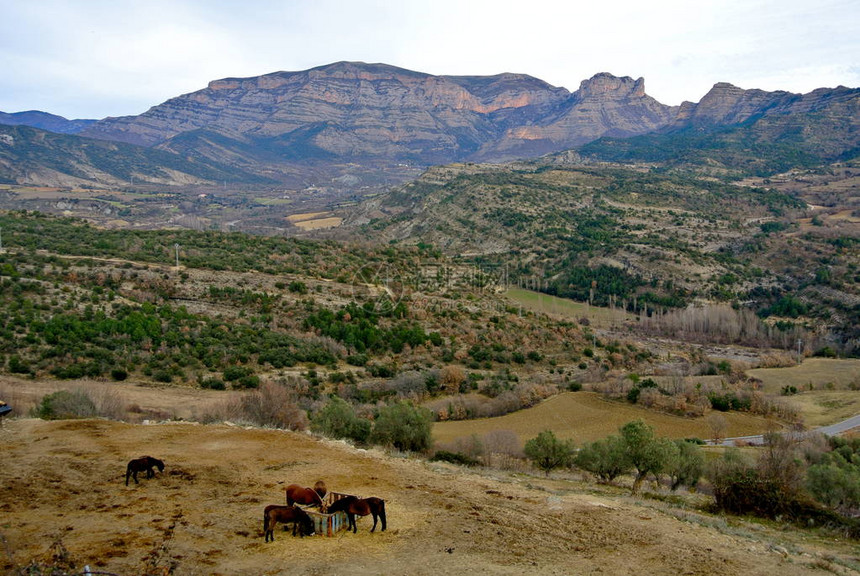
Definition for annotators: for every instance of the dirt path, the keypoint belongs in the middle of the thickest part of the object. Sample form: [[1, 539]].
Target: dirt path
[[65, 480]]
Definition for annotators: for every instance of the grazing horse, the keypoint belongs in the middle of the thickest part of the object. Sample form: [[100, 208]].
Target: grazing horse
[[320, 488], [144, 463], [359, 506], [286, 515], [299, 495]]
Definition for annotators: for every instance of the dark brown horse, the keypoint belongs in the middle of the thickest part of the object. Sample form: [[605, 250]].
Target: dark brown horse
[[354, 506], [144, 463], [298, 495], [286, 515], [320, 488]]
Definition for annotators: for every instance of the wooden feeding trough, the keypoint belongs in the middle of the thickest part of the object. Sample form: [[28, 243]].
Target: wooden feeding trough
[[329, 524]]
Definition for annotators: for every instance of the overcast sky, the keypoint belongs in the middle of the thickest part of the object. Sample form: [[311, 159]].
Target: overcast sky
[[97, 58]]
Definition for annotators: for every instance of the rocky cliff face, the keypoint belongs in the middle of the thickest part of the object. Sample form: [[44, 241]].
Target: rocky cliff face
[[604, 105], [356, 110], [376, 115]]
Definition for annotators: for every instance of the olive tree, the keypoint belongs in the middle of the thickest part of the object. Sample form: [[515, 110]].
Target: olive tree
[[604, 458], [403, 426], [645, 453], [548, 452]]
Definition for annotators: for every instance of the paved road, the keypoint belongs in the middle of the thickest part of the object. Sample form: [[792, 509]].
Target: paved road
[[832, 430]]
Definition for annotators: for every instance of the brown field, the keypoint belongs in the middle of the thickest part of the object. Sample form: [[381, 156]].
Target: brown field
[[63, 490], [315, 220], [586, 416]]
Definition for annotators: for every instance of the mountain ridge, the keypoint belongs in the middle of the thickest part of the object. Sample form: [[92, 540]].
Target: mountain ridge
[[375, 115]]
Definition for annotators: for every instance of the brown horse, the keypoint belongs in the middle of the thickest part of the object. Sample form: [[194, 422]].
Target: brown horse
[[144, 463], [320, 488], [359, 506], [298, 495], [286, 515]]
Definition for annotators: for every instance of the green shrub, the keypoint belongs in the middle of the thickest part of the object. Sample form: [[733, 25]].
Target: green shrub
[[162, 376], [337, 419], [247, 382], [604, 458], [232, 373], [548, 452], [65, 404], [357, 359], [213, 384], [118, 374], [454, 458], [18, 366], [403, 426]]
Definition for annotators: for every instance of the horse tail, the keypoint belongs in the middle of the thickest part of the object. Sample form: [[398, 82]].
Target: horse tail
[[127, 473], [382, 513]]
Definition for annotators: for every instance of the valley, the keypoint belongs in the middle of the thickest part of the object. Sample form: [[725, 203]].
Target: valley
[[401, 283]]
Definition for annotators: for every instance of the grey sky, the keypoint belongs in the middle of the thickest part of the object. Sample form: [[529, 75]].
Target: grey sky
[[97, 58]]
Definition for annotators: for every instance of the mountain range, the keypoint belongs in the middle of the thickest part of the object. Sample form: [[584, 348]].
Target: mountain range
[[277, 126]]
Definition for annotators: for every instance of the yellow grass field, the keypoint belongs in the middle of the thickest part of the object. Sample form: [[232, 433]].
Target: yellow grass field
[[824, 396], [537, 302], [812, 373], [826, 407], [586, 416], [314, 220]]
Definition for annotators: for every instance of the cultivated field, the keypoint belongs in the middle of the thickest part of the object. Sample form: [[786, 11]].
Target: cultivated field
[[598, 316], [828, 390], [586, 417], [811, 374]]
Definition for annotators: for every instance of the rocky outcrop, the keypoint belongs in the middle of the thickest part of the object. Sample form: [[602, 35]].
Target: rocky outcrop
[[604, 105]]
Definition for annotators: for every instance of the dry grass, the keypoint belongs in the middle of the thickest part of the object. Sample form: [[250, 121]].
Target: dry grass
[[63, 489], [812, 374], [824, 407], [319, 223], [586, 416]]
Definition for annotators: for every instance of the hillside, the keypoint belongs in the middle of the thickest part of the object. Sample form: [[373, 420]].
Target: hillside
[[641, 238], [44, 121], [33, 155], [203, 513], [733, 132]]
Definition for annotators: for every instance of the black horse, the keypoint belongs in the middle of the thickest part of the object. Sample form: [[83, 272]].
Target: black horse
[[144, 463], [353, 506], [294, 515]]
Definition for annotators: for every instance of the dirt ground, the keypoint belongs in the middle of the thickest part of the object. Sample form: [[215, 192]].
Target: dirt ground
[[63, 482]]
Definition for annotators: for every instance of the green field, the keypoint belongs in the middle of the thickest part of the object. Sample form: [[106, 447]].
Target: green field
[[598, 316], [586, 416]]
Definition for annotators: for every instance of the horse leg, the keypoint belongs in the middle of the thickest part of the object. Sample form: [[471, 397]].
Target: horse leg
[[150, 473], [382, 514], [352, 523], [266, 531], [374, 522]]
